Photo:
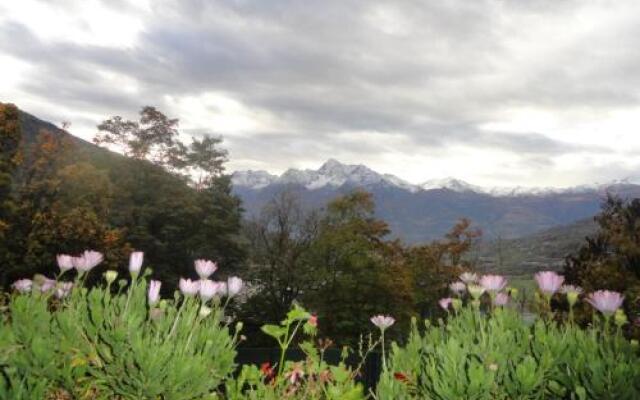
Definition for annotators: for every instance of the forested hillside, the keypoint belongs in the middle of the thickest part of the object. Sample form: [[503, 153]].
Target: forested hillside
[[69, 195]]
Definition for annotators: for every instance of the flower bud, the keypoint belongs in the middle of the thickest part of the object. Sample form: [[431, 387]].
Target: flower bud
[[475, 290], [110, 276], [634, 343], [620, 318], [456, 304], [239, 326], [204, 311]]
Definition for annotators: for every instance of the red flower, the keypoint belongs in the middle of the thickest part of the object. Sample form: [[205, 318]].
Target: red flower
[[267, 371], [313, 321], [399, 376]]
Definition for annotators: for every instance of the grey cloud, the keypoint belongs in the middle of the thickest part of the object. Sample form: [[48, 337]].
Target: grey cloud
[[328, 67]]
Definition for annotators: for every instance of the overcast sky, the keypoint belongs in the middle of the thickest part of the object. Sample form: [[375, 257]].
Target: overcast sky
[[532, 93]]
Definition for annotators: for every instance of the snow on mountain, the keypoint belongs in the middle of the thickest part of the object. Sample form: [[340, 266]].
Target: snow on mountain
[[334, 174], [453, 184], [253, 179]]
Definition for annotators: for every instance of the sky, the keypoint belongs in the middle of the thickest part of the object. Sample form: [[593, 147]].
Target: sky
[[497, 93]]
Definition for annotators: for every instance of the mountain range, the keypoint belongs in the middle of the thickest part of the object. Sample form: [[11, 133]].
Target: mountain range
[[426, 211]]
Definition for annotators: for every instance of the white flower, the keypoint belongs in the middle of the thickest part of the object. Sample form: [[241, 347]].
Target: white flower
[[154, 292], [209, 289], [205, 268], [234, 286], [47, 284], [87, 260], [23, 285], [468, 277], [383, 321], [135, 262], [63, 289], [65, 262], [189, 287]]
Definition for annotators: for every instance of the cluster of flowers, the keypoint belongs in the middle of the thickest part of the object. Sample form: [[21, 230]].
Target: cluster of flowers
[[85, 262], [82, 263], [549, 283]]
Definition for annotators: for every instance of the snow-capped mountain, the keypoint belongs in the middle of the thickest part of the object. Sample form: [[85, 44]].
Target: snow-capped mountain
[[427, 211], [334, 174], [454, 184], [331, 174]]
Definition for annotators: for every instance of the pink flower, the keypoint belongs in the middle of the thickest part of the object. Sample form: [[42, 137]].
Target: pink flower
[[313, 320], [189, 287], [63, 289], [383, 321], [445, 303], [606, 301], [154, 292], [468, 277], [135, 262], [549, 282], [457, 287], [205, 268], [23, 285], [87, 260], [493, 283], [209, 289], [501, 299], [234, 286], [47, 284], [65, 262], [296, 374]]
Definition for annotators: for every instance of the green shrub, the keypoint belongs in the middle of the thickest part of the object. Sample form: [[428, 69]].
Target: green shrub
[[496, 355], [105, 343]]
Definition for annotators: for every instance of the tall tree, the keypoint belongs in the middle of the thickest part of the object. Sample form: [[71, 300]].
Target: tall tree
[[279, 267], [10, 157], [153, 137], [359, 274]]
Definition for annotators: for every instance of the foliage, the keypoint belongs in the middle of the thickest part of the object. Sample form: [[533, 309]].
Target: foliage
[[70, 195], [312, 378], [499, 356], [339, 263], [359, 272], [611, 258], [111, 342], [280, 239], [10, 158]]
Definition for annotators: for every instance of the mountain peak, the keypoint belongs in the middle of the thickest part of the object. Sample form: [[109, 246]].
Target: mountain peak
[[332, 173], [331, 163]]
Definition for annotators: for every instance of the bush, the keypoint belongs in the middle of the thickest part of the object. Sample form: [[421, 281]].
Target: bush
[[108, 342], [497, 355]]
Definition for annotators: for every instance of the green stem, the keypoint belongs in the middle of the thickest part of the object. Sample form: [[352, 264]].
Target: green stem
[[175, 321], [131, 289], [384, 357]]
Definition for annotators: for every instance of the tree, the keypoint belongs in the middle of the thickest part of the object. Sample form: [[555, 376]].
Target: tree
[[152, 138], [611, 258], [10, 158], [359, 273], [280, 240], [154, 202]]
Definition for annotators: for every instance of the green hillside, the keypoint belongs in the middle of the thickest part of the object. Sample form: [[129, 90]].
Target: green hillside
[[113, 203]]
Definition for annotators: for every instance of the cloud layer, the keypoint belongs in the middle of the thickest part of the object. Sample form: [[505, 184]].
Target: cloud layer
[[494, 92]]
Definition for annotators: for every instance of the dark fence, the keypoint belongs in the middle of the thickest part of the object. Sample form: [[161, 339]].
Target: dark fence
[[369, 373]]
